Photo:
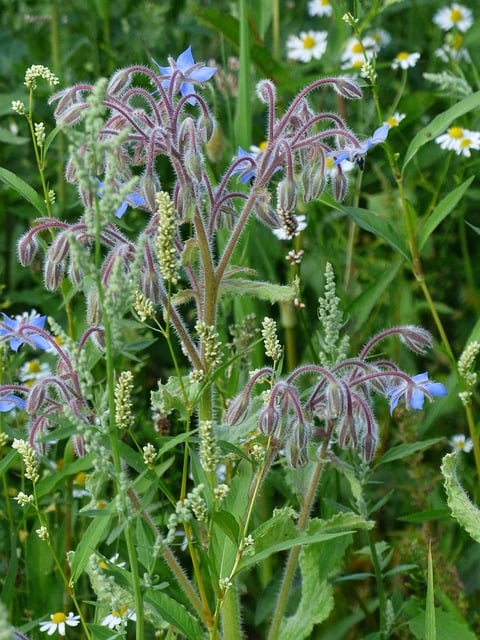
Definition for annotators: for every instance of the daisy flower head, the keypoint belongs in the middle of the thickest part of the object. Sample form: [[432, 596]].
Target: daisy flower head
[[455, 16], [405, 60], [459, 442], [308, 46], [452, 49], [58, 622], [118, 618], [356, 52], [34, 370], [394, 121], [320, 8], [460, 140]]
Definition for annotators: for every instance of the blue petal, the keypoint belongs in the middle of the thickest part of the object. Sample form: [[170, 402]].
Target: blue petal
[[11, 402], [185, 59], [380, 134], [417, 399], [436, 389], [203, 74], [121, 209], [165, 71]]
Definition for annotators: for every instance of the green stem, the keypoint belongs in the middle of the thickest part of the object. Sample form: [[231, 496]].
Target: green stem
[[292, 561]]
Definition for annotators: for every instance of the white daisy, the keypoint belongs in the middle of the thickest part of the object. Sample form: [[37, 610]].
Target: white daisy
[[320, 8], [394, 121], [357, 50], [405, 60], [452, 49], [308, 46], [460, 443], [118, 618], [459, 140], [34, 370], [58, 621], [456, 15]]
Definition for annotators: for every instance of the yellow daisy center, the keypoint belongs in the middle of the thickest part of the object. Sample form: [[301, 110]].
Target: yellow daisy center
[[80, 478], [392, 122], [357, 63], [102, 564], [455, 15], [456, 42], [329, 162], [325, 3], [455, 132], [403, 55], [33, 366], [465, 143], [357, 47], [263, 145], [58, 617], [309, 42]]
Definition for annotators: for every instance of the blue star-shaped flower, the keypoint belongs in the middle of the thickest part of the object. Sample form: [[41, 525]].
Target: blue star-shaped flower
[[133, 199], [357, 154], [247, 170], [10, 329], [415, 394], [11, 401], [189, 70]]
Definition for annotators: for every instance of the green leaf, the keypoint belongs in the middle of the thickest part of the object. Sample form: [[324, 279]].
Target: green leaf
[[439, 124], [426, 516], [463, 509], [261, 290], [7, 137], [448, 627], [96, 532], [362, 306], [401, 451], [441, 211], [164, 608], [430, 628], [317, 564], [380, 227], [24, 189]]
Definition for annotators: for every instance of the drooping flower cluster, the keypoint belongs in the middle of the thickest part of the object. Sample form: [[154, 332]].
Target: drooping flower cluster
[[339, 407]]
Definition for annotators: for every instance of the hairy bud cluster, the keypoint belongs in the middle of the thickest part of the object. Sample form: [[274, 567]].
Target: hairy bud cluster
[[339, 407]]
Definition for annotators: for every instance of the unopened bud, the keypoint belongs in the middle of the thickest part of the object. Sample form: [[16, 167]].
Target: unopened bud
[[266, 91], [118, 83], [347, 88], [35, 398], [194, 166], [237, 409], [52, 275], [59, 248], [27, 248], [286, 195], [313, 181], [416, 338], [339, 186], [268, 420], [369, 446]]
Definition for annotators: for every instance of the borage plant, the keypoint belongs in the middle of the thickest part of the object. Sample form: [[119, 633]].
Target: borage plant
[[190, 533]]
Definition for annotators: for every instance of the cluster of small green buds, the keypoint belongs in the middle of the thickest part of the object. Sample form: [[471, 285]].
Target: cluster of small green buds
[[349, 19], [51, 195], [224, 584], [23, 499], [3, 439], [196, 376], [466, 362], [368, 72], [165, 249], [149, 455], [39, 129], [123, 400], [273, 348], [330, 316], [220, 492], [247, 546], [197, 504], [208, 447], [210, 342], [29, 457], [39, 71], [19, 107], [42, 533], [143, 306]]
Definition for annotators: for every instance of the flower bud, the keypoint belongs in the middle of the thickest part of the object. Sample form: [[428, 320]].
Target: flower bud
[[268, 420], [52, 274], [266, 91], [59, 248], [313, 181], [27, 248], [237, 409], [339, 186], [415, 338], [118, 83], [369, 446], [194, 166], [347, 88], [286, 195], [36, 397]]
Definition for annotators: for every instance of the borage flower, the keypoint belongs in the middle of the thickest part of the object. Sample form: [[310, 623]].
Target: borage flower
[[11, 401], [11, 329], [405, 60], [357, 154], [459, 140], [133, 200], [456, 15], [309, 45], [414, 394], [185, 72], [58, 622]]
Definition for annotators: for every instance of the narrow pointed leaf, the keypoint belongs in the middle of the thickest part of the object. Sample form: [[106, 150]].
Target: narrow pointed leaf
[[24, 189], [380, 227]]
